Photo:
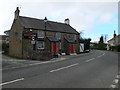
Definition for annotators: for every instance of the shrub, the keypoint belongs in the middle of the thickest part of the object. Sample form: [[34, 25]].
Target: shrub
[[115, 48], [5, 47], [99, 46], [0, 45]]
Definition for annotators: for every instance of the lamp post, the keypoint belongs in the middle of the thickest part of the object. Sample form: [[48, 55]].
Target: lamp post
[[45, 21]]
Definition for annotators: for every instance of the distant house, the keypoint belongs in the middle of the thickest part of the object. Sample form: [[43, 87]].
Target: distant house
[[3, 38], [40, 38], [7, 32], [115, 41]]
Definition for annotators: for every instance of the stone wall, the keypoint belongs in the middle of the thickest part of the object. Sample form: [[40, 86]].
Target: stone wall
[[15, 39]]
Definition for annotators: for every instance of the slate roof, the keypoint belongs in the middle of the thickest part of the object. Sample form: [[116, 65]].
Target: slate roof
[[118, 36], [38, 24]]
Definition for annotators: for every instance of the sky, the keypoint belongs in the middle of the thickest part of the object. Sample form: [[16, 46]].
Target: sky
[[91, 17]]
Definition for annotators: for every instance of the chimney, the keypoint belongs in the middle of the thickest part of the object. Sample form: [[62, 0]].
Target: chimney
[[67, 21], [17, 13], [114, 34]]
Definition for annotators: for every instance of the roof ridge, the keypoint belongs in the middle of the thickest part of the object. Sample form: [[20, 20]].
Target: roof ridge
[[30, 17], [43, 19]]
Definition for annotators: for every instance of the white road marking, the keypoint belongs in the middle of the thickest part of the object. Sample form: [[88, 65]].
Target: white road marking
[[119, 73], [64, 67], [11, 81], [47, 62], [101, 55], [61, 59], [89, 60], [118, 76], [35, 64], [116, 81], [112, 86]]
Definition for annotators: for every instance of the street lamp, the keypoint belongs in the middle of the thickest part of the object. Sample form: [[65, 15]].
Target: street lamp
[[45, 20]]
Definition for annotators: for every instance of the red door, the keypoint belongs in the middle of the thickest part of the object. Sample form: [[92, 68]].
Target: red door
[[72, 48], [54, 48]]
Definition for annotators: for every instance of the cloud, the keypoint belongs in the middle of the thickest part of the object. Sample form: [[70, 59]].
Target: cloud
[[83, 15], [105, 18], [64, 0]]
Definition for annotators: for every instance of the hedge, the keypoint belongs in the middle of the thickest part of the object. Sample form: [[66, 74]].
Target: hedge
[[115, 48]]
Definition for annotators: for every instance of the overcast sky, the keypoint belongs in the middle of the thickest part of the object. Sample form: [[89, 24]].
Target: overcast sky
[[93, 18]]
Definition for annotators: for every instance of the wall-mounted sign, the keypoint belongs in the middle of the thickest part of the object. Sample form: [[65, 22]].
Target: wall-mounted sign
[[29, 36]]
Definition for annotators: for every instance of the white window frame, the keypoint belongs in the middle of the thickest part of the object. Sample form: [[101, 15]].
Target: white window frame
[[75, 37], [38, 43], [60, 47], [40, 34], [58, 35]]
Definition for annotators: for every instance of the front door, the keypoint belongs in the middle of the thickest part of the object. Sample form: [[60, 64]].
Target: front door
[[72, 48], [54, 48]]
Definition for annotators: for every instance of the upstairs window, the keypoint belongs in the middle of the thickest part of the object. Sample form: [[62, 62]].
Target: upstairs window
[[75, 37], [58, 35], [40, 45], [40, 34]]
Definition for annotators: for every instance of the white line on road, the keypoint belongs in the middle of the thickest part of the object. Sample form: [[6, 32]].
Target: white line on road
[[113, 86], [64, 67], [89, 60], [115, 81], [101, 55], [12, 81]]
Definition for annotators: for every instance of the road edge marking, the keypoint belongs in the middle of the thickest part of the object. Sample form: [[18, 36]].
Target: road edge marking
[[101, 55], [64, 67], [12, 81], [90, 60]]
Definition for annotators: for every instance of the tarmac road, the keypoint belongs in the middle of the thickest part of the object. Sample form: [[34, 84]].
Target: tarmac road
[[97, 69]]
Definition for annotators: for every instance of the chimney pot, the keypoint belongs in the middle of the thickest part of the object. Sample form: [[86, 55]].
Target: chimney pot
[[17, 13], [67, 21]]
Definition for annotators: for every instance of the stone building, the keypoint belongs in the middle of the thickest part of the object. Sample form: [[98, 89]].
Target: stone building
[[115, 41], [32, 38]]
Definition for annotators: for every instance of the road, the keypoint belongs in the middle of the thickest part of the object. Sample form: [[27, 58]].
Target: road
[[97, 69]]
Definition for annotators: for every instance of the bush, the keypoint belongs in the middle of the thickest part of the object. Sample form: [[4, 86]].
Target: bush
[[119, 48], [115, 48], [0, 45], [5, 47], [99, 46]]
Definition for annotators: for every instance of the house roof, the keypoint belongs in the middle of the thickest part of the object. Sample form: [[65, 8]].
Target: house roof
[[118, 36], [39, 24], [53, 39]]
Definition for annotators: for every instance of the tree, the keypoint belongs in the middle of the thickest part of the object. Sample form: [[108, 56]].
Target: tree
[[101, 39]]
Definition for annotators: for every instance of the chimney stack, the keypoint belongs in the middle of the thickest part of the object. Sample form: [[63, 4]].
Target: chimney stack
[[114, 34], [67, 21], [17, 13]]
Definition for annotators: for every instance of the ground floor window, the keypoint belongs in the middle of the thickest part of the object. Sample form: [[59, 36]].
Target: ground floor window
[[40, 45], [59, 45]]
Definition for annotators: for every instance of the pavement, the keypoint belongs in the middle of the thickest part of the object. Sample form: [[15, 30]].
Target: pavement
[[98, 69]]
